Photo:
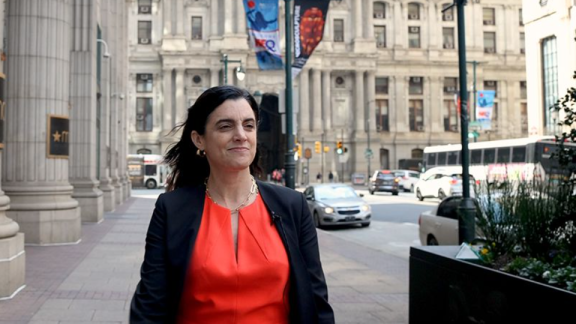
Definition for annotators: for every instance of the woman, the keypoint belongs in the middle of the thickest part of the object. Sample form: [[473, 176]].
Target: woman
[[222, 247]]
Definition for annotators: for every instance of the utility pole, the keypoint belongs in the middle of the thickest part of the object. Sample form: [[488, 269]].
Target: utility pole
[[289, 158], [467, 210]]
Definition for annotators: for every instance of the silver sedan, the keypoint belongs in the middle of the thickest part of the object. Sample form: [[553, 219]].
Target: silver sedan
[[337, 204]]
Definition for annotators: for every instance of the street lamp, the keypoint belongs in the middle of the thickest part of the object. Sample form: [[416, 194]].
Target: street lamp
[[240, 72], [106, 53], [257, 96]]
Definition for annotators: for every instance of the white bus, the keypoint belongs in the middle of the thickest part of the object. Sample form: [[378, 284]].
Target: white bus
[[147, 170], [512, 159]]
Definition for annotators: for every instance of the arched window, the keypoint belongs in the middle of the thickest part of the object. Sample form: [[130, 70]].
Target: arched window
[[379, 10], [417, 153], [144, 151], [413, 11]]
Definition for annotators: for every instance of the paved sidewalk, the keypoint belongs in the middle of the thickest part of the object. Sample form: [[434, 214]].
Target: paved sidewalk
[[93, 281]]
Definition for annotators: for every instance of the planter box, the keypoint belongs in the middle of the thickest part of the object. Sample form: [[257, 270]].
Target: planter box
[[446, 290]]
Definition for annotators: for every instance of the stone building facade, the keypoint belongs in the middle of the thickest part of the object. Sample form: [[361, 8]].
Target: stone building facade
[[63, 121], [384, 76], [550, 60]]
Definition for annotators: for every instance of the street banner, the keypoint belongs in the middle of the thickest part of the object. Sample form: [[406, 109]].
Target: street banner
[[485, 108], [309, 20], [262, 22]]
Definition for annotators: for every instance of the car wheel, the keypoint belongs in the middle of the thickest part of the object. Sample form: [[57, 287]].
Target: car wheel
[[151, 184], [412, 188], [371, 191], [316, 220], [365, 224], [432, 241], [394, 193], [419, 195], [441, 194]]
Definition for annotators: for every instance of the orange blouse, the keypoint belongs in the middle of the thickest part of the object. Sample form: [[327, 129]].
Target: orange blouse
[[253, 289]]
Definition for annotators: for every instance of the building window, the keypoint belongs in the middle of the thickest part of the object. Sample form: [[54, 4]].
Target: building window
[[416, 118], [491, 85], [417, 153], [523, 94], [415, 86], [144, 82], [522, 44], [381, 86], [379, 10], [495, 114], [448, 37], [489, 42], [413, 11], [450, 86], [550, 80], [414, 37], [450, 116], [196, 27], [338, 30], [145, 6], [520, 17], [382, 116], [524, 117], [447, 15], [380, 36], [144, 32], [488, 17], [144, 114]]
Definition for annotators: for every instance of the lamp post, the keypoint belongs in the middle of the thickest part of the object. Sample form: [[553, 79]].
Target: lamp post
[[240, 72], [466, 209], [289, 165]]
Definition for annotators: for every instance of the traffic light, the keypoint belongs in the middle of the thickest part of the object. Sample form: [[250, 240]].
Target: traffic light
[[339, 147], [317, 147], [299, 149]]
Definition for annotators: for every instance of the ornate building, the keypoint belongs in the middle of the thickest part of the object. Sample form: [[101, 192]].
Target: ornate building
[[63, 123], [385, 77]]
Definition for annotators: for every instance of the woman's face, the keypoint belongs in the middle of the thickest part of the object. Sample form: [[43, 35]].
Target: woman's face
[[230, 136]]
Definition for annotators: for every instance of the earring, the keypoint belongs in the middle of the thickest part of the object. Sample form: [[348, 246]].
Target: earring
[[200, 153]]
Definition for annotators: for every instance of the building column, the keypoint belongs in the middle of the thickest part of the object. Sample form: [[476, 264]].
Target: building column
[[359, 101], [371, 100], [358, 19], [392, 105], [228, 17], [317, 101], [167, 106], [241, 16], [180, 97], [326, 100], [214, 18], [167, 16], [123, 136], [214, 77], [304, 101], [37, 184], [83, 161], [180, 12], [369, 20], [13, 257], [113, 44]]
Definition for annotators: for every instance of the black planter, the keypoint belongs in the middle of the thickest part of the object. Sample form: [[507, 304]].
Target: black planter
[[446, 290]]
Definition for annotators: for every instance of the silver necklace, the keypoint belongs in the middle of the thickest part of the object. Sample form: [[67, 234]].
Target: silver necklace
[[253, 190]]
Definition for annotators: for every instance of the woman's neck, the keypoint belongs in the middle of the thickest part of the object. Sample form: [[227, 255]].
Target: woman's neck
[[232, 186]]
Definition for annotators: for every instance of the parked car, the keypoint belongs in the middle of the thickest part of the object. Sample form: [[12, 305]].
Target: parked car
[[439, 183], [384, 180], [337, 204], [408, 179]]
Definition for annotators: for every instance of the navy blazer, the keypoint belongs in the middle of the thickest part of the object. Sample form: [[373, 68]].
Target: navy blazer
[[170, 242]]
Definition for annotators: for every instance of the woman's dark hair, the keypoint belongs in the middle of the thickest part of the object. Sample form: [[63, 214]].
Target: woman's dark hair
[[187, 168]]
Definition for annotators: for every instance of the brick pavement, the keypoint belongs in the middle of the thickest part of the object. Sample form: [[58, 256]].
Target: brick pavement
[[93, 281]]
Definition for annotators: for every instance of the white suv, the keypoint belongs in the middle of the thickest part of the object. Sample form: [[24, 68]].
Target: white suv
[[440, 183], [408, 179]]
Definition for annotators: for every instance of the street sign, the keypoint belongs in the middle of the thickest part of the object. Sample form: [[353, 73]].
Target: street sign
[[308, 153], [368, 153]]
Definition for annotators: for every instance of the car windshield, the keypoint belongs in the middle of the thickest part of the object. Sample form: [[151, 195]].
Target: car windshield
[[336, 192], [385, 176]]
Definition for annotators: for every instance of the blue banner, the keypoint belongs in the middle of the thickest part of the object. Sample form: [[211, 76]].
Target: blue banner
[[485, 108], [262, 22]]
